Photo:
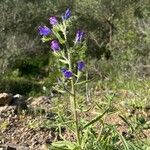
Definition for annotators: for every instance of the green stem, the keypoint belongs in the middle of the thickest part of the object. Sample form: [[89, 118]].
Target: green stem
[[73, 99], [73, 102]]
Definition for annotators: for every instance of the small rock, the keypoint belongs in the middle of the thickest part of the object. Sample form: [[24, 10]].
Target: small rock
[[2, 109], [19, 101], [48, 141], [7, 109], [5, 99], [43, 147], [16, 147], [40, 100]]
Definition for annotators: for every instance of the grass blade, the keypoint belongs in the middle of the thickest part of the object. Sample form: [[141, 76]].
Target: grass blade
[[95, 119]]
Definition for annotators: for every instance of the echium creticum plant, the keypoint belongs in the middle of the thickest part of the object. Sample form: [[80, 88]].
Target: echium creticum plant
[[70, 57]]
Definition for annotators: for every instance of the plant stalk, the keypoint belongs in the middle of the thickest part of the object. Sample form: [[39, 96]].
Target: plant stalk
[[73, 103], [74, 107]]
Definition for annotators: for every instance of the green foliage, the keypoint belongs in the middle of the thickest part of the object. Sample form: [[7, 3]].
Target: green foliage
[[119, 30], [100, 134], [19, 23], [32, 66], [19, 85]]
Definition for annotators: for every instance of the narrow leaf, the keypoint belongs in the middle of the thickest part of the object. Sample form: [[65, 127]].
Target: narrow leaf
[[83, 82], [63, 61], [95, 119], [125, 144]]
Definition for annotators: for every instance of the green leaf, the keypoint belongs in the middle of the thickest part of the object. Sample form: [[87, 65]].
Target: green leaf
[[83, 82], [95, 119], [125, 120], [57, 30], [46, 39], [64, 61], [65, 145], [125, 144], [56, 54]]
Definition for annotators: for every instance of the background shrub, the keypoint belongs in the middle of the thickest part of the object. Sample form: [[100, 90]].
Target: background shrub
[[19, 85], [118, 32]]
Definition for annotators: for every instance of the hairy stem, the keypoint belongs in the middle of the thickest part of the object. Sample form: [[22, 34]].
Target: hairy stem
[[73, 102]]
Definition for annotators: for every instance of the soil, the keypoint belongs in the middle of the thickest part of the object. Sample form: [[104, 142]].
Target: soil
[[24, 129]]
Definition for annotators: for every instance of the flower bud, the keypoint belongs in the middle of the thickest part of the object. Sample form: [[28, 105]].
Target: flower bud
[[53, 20], [79, 36], [44, 30], [66, 15], [80, 65], [55, 45]]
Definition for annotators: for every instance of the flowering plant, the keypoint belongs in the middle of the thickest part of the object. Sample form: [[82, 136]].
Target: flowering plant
[[70, 57]]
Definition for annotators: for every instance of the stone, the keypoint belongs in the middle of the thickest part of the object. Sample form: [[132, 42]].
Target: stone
[[41, 105], [19, 101], [2, 109], [16, 147], [5, 99], [42, 102], [39, 100], [44, 147]]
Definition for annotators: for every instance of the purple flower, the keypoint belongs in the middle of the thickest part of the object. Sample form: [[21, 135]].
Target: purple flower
[[66, 15], [79, 36], [44, 30], [80, 65], [67, 73], [55, 45], [53, 20]]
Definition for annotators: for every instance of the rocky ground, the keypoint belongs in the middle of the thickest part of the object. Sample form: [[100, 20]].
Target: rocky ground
[[25, 123], [19, 128]]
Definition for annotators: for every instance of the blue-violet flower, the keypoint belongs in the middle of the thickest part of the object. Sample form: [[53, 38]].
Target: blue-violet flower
[[44, 30], [79, 36], [67, 73], [80, 65], [66, 15], [53, 20], [55, 45]]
